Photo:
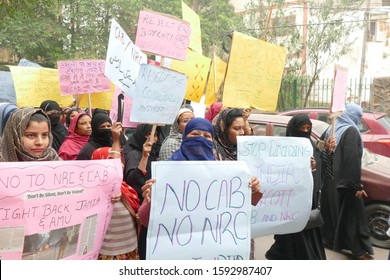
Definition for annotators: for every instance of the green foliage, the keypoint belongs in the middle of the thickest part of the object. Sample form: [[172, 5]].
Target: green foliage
[[45, 31], [330, 28]]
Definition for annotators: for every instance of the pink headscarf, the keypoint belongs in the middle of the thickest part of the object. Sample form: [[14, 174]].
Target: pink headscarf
[[213, 111], [73, 142]]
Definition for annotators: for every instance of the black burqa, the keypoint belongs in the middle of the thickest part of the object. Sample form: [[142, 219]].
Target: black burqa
[[306, 244], [58, 130], [346, 226], [99, 137], [134, 176]]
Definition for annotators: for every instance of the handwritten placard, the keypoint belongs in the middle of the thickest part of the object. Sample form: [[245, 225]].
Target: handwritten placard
[[282, 164], [33, 85], [196, 67], [159, 95], [7, 88], [203, 212], [45, 202], [123, 59], [339, 89], [163, 35], [254, 73], [82, 76]]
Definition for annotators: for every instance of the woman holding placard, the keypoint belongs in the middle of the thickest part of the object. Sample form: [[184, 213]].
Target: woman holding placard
[[306, 244], [197, 145]]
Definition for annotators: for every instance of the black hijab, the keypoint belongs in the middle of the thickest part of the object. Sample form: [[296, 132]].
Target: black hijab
[[295, 123], [100, 137], [58, 130]]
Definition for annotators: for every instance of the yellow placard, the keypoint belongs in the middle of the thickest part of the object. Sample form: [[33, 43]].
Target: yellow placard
[[102, 100], [254, 73], [33, 85], [216, 77], [196, 67], [195, 38]]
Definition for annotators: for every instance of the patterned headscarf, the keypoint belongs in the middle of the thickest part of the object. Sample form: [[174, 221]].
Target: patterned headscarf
[[224, 150], [11, 148], [174, 139]]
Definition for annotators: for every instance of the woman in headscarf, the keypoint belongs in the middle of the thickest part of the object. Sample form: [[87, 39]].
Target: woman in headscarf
[[27, 137], [59, 131], [197, 145], [342, 205], [100, 137], [173, 141], [306, 244], [230, 123], [6, 110], [70, 115], [79, 133], [139, 154], [213, 111]]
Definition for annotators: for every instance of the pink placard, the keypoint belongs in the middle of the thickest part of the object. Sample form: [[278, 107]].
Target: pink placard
[[163, 35], [82, 76], [339, 89], [56, 209], [128, 103]]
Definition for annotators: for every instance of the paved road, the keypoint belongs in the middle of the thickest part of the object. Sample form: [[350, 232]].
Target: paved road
[[264, 243]]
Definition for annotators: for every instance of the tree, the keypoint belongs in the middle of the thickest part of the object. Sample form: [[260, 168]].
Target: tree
[[31, 29], [330, 27], [45, 31]]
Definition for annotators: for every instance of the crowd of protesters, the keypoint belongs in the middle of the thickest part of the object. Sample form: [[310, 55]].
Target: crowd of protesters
[[50, 133]]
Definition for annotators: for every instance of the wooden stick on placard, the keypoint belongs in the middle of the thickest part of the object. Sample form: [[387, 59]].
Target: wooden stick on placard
[[89, 103], [154, 127]]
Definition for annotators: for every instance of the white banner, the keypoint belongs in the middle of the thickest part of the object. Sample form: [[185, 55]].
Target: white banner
[[123, 59], [159, 95], [282, 164], [200, 210]]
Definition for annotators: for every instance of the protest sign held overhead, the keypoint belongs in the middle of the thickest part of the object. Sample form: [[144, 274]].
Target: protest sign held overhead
[[82, 76], [123, 59], [282, 165], [159, 95], [163, 34], [57, 209], [212, 210], [196, 67], [216, 77], [254, 73], [33, 85], [196, 38], [339, 89]]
